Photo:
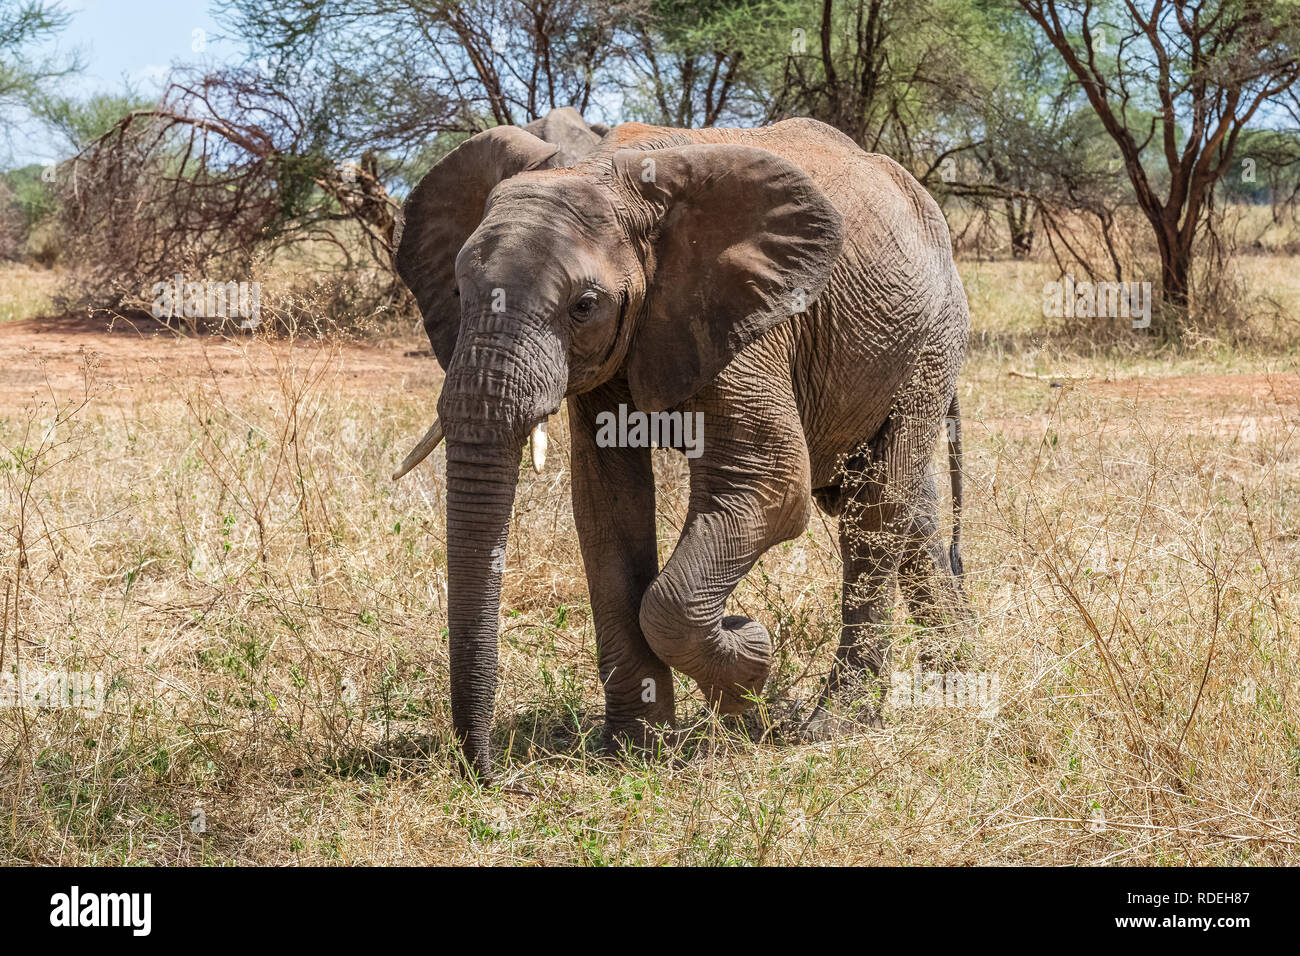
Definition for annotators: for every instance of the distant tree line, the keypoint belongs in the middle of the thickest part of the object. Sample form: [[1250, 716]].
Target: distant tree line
[[1051, 118]]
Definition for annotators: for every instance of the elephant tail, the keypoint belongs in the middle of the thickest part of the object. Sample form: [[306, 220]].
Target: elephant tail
[[953, 427]]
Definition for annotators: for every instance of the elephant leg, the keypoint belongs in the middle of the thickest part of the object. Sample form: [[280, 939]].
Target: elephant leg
[[614, 510], [934, 596], [882, 492], [749, 491], [873, 530]]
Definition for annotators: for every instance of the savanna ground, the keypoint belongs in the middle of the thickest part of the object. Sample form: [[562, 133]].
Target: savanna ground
[[209, 523]]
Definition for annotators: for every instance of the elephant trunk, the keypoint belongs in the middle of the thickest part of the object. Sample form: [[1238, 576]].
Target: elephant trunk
[[504, 379], [481, 483]]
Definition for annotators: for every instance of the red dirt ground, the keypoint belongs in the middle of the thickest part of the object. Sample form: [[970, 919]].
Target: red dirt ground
[[43, 355], [46, 356], [1280, 388]]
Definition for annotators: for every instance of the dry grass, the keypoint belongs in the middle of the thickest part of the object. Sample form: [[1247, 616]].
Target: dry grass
[[1262, 293], [222, 542], [25, 290]]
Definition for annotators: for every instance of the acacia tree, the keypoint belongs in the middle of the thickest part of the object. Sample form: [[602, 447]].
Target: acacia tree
[[411, 69], [24, 76], [1032, 151], [886, 73], [696, 63], [1185, 78], [841, 81]]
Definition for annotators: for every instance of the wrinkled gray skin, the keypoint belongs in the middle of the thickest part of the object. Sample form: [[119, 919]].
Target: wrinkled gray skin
[[797, 291]]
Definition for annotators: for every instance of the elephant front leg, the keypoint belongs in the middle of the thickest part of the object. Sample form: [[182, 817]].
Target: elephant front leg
[[749, 491], [614, 509]]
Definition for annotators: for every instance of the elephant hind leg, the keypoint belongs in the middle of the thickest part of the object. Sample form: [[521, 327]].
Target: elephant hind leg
[[883, 490], [829, 499], [873, 532], [934, 596]]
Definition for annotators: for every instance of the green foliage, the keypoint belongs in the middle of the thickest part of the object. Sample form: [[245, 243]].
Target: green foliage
[[81, 121], [24, 77], [30, 195], [1267, 168], [28, 205], [296, 182]]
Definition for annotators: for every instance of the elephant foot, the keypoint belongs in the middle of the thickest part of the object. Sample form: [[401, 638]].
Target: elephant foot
[[834, 722], [662, 745], [854, 705], [739, 666], [639, 738]]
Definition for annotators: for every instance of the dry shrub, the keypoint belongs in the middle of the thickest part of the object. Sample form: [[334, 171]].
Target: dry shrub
[[1236, 303], [1239, 276], [12, 225], [290, 302], [1232, 310], [340, 304], [220, 177], [1259, 230], [1098, 243], [151, 197]]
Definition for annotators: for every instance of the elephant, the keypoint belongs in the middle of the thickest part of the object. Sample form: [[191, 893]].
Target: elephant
[[565, 127], [796, 293], [574, 138]]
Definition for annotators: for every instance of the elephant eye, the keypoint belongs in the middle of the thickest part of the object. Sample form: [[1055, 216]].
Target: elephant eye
[[585, 305]]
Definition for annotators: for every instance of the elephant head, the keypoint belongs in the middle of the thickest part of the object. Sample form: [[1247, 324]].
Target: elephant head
[[658, 264], [566, 128]]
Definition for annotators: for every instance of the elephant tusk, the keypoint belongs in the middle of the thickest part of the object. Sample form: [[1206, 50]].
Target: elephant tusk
[[431, 440], [538, 442]]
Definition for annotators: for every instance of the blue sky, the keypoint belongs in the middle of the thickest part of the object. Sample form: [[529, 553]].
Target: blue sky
[[135, 42]]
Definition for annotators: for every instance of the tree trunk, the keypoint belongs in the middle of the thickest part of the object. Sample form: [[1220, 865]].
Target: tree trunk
[[1020, 220]]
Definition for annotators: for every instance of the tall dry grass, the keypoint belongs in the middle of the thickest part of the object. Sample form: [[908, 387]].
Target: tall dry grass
[[25, 290], [221, 541]]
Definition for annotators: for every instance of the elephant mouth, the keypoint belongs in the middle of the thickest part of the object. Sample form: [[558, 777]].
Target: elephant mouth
[[537, 440]]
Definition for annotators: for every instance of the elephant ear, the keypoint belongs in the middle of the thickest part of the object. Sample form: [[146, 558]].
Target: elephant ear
[[444, 209], [743, 240]]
